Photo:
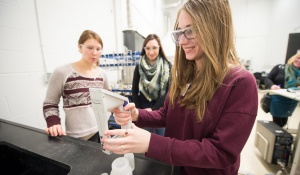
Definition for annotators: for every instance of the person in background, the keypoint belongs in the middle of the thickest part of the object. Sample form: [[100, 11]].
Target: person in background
[[283, 76], [72, 82], [151, 78], [212, 103]]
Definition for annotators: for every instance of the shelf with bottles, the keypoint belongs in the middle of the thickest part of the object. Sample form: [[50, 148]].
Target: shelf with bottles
[[120, 59], [122, 88]]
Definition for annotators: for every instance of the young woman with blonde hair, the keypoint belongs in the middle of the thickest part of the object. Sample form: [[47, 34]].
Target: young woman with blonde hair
[[72, 82], [212, 104], [283, 76]]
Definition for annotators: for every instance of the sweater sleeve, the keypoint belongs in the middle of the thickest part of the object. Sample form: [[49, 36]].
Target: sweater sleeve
[[135, 87], [159, 103], [220, 148], [53, 95], [106, 82]]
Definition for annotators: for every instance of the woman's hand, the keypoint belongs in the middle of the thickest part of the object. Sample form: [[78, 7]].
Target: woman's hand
[[273, 87], [134, 140], [123, 117], [55, 130]]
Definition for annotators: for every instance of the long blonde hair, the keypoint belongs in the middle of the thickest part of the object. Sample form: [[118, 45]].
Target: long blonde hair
[[214, 33], [292, 59]]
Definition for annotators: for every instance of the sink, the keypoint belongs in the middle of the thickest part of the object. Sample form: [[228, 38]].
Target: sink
[[15, 160]]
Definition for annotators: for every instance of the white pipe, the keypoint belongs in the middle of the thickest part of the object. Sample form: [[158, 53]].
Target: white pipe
[[40, 37], [117, 25], [47, 73], [129, 17], [168, 21], [173, 5]]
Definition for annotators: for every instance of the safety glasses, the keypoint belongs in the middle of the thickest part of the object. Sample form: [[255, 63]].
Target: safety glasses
[[189, 33], [92, 48]]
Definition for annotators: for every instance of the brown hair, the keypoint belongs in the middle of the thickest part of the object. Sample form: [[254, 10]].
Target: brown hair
[[88, 34], [161, 50], [214, 33]]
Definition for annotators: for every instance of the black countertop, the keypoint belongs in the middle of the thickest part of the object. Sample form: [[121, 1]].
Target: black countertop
[[82, 157]]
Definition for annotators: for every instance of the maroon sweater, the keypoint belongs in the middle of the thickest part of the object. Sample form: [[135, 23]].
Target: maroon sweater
[[212, 147]]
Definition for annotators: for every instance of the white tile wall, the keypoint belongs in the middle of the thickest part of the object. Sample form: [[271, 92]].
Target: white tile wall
[[37, 36], [4, 112]]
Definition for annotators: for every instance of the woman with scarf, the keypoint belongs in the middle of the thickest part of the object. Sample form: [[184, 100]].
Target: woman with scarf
[[151, 78], [283, 76]]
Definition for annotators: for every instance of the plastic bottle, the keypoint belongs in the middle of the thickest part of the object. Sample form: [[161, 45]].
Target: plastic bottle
[[130, 158], [120, 166]]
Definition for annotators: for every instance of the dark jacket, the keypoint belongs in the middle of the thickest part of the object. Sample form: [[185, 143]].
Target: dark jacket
[[276, 76]]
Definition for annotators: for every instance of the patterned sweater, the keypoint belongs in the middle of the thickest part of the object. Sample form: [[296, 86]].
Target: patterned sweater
[[65, 82]]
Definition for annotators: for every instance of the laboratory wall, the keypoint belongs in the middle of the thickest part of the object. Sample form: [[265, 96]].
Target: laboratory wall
[[262, 28], [39, 35]]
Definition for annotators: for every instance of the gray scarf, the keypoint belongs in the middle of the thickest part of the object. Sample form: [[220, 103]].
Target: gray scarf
[[153, 79]]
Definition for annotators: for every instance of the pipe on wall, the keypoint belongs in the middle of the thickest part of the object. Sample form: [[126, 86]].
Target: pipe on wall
[[174, 5], [129, 15], [46, 72], [167, 16]]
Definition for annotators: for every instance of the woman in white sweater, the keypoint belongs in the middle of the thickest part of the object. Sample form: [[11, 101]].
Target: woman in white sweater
[[72, 82]]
